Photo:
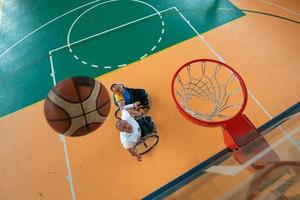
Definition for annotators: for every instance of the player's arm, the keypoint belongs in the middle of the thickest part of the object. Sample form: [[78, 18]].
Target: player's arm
[[133, 112], [121, 104], [134, 105], [119, 100]]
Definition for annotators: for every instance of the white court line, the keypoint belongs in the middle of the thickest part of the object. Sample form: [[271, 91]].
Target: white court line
[[222, 60], [110, 30], [106, 31], [232, 169], [95, 66], [49, 22], [52, 69], [105, 2], [1, 7], [144, 56], [153, 48], [201, 37], [271, 117], [159, 40], [123, 65], [69, 176], [63, 140], [285, 9]]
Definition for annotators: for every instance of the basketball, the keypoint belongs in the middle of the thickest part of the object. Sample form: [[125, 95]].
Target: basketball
[[77, 106]]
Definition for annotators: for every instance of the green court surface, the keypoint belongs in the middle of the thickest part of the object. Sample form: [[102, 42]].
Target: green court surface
[[41, 46]]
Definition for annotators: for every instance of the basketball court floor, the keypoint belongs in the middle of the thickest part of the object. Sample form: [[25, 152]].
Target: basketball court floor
[[141, 44]]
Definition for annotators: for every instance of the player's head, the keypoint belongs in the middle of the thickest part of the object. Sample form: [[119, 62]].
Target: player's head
[[123, 126], [117, 88]]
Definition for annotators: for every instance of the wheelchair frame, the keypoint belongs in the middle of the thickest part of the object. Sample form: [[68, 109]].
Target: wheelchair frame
[[147, 142]]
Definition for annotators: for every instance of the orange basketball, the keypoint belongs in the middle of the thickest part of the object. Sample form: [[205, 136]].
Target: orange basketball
[[77, 106]]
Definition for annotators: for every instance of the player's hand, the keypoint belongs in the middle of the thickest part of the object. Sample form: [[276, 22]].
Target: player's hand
[[139, 158], [136, 104]]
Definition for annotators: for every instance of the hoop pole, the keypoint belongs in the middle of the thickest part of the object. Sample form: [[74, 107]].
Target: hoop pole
[[252, 150], [238, 132]]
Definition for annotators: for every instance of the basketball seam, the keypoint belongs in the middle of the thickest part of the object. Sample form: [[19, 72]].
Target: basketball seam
[[67, 100], [80, 102], [98, 96], [65, 112], [103, 106], [74, 134], [65, 119], [92, 91], [66, 129], [99, 92], [96, 109]]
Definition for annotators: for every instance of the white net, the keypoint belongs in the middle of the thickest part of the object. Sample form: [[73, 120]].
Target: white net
[[208, 91]]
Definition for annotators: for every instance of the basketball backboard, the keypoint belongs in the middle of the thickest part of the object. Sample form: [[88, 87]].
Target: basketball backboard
[[270, 169]]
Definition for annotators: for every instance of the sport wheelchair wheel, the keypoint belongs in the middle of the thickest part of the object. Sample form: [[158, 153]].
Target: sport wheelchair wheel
[[143, 110], [147, 142]]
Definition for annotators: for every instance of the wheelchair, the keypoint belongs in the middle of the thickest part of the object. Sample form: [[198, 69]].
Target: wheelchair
[[143, 109], [149, 137]]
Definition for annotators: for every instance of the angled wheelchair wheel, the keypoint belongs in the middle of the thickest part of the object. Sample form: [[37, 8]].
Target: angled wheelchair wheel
[[118, 114], [145, 108], [146, 143]]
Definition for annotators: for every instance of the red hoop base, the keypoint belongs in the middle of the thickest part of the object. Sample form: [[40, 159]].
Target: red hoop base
[[245, 154], [238, 132]]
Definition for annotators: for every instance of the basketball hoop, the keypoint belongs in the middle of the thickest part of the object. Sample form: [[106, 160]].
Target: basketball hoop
[[211, 93]]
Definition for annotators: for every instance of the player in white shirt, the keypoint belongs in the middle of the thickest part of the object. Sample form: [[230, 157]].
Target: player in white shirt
[[130, 131]]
